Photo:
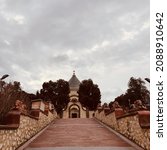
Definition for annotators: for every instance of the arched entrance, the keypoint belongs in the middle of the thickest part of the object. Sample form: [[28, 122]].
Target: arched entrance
[[74, 111]]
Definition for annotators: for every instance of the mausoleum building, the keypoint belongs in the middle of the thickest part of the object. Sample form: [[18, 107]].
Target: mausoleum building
[[74, 108]]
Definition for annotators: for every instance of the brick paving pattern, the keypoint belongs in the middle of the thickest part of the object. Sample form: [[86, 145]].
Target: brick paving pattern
[[68, 134]]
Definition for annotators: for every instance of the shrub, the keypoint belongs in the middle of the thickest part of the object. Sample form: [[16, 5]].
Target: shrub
[[9, 93]]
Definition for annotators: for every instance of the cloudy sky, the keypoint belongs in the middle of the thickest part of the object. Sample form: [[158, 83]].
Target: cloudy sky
[[105, 40]]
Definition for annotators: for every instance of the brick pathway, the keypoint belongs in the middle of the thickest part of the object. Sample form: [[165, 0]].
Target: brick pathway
[[74, 134]]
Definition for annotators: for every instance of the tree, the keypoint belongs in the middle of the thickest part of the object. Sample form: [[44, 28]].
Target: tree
[[137, 91], [122, 100], [26, 100], [9, 93], [56, 92], [89, 94]]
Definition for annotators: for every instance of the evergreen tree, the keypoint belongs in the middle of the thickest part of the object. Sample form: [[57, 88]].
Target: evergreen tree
[[56, 92], [137, 91], [89, 94]]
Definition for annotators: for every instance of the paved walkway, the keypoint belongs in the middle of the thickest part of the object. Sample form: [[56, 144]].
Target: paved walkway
[[74, 134]]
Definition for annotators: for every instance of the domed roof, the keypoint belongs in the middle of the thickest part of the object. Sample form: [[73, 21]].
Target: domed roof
[[74, 82]]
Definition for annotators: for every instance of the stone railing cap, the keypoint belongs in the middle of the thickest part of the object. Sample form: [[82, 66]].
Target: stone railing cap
[[144, 118], [143, 112]]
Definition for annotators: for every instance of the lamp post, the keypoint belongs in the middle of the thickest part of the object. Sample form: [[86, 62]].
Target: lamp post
[[148, 80], [148, 102], [2, 78]]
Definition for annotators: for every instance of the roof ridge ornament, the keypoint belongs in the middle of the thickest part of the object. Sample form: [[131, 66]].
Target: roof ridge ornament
[[73, 72]]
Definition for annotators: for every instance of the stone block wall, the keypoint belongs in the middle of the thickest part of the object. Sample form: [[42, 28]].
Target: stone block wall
[[91, 114], [131, 125], [14, 135]]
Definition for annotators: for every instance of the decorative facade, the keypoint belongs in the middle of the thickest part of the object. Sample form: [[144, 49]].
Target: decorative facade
[[74, 108]]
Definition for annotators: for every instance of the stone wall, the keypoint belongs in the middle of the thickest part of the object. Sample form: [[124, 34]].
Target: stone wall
[[133, 125], [91, 114], [12, 135]]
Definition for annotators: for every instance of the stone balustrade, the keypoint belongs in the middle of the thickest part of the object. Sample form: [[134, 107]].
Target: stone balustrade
[[134, 125], [18, 127]]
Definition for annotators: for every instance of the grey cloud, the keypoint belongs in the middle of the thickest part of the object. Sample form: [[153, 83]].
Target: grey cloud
[[57, 36], [59, 59]]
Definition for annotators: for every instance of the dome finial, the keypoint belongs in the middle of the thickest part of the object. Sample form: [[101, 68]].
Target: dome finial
[[73, 72]]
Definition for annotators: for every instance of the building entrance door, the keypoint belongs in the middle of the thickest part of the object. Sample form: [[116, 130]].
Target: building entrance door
[[74, 113]]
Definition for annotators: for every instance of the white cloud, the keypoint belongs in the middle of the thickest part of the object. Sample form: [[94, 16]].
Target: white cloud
[[16, 18], [128, 35], [19, 19], [146, 25], [102, 45], [7, 42]]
